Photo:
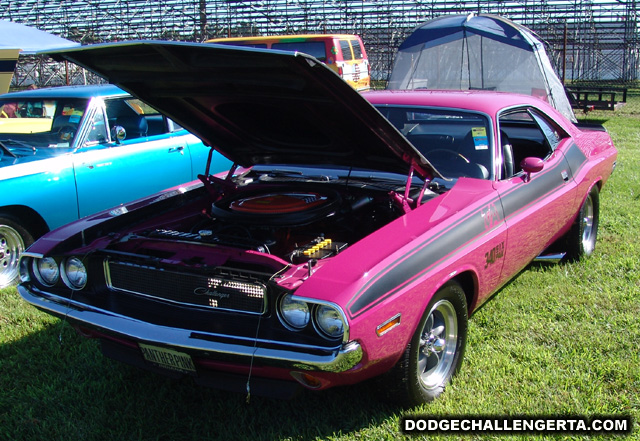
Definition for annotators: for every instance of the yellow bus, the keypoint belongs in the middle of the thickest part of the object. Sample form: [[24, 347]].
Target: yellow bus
[[343, 53]]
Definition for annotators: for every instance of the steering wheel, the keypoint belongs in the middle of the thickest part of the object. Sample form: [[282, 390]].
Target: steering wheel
[[459, 166], [66, 133], [446, 153]]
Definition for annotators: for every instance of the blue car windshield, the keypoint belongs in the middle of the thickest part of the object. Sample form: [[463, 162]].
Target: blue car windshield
[[40, 122]]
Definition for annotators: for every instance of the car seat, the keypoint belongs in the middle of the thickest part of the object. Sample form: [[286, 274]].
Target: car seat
[[507, 156], [135, 125]]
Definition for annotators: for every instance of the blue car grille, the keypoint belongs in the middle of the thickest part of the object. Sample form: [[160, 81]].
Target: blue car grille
[[227, 290]]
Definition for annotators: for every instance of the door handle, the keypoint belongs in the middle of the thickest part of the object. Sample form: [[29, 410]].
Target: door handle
[[91, 165], [177, 149], [565, 176]]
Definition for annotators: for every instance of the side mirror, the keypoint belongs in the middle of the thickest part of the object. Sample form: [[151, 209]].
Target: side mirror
[[118, 134], [531, 165]]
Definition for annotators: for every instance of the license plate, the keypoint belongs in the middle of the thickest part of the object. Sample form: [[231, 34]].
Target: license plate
[[168, 358]]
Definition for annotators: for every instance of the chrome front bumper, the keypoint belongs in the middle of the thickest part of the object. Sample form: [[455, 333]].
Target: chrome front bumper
[[210, 345]]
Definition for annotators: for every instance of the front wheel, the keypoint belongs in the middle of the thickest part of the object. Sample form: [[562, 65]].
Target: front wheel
[[14, 239], [436, 349], [581, 239]]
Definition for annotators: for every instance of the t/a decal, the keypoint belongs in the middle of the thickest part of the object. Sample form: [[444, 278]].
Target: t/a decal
[[494, 254], [490, 215]]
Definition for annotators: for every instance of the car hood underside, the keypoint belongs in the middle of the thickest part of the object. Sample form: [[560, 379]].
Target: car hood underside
[[256, 106]]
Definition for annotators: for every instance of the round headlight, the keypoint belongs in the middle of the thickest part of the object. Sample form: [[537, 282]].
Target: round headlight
[[75, 273], [294, 313], [329, 321], [46, 270]]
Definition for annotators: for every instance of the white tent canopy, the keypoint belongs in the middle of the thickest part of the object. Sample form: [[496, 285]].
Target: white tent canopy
[[465, 52], [18, 39], [30, 40]]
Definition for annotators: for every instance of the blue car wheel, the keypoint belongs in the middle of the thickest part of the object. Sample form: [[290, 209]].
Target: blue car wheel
[[14, 239]]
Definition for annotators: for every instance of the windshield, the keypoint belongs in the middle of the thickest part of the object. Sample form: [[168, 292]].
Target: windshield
[[40, 122], [457, 143]]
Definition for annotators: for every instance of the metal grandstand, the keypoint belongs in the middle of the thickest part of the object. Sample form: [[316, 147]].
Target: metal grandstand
[[589, 40]]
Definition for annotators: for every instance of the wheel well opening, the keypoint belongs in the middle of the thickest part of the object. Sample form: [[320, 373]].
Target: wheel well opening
[[599, 185], [467, 281], [28, 218]]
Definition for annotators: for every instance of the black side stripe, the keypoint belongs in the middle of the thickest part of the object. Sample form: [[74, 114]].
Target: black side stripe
[[576, 158], [429, 253], [402, 271], [543, 184]]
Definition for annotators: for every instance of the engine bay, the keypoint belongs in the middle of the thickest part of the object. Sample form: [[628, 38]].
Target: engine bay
[[294, 221]]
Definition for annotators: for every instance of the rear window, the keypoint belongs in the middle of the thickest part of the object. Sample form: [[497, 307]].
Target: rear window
[[357, 50], [346, 50], [313, 48]]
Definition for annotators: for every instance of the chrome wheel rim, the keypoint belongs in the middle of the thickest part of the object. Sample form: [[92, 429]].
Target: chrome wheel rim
[[11, 246], [438, 342], [587, 223]]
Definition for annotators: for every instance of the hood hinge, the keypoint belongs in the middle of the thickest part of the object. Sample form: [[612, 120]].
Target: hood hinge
[[405, 201]]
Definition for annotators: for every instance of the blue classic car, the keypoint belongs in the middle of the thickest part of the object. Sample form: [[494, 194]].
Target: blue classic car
[[67, 152]]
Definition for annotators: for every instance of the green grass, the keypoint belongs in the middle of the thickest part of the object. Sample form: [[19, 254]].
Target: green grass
[[559, 339]]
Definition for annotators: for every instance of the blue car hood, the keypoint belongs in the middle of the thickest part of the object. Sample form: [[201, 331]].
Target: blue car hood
[[256, 106], [22, 155]]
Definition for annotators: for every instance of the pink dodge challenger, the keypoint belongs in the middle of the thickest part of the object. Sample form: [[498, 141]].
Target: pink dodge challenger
[[352, 238]]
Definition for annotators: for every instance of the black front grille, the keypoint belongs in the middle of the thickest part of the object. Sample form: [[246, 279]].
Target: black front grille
[[226, 290]]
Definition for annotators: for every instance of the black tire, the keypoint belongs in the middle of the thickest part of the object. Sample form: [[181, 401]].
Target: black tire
[[581, 239], [14, 239], [435, 351]]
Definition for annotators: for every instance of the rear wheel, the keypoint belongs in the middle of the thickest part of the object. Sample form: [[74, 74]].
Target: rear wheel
[[436, 349], [14, 239], [581, 239]]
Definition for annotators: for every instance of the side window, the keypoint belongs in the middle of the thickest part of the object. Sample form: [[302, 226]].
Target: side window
[[521, 137], [173, 126], [156, 122], [345, 47], [314, 48], [98, 131], [128, 114], [553, 134]]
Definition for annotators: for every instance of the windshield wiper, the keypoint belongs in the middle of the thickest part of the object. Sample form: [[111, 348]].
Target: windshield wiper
[[293, 175], [5, 150], [20, 144]]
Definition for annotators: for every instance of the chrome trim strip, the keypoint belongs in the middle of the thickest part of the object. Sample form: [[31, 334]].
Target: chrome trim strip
[[345, 337], [550, 258], [311, 358], [30, 254]]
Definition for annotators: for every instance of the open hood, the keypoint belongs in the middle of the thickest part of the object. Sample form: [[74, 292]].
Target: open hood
[[256, 106]]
